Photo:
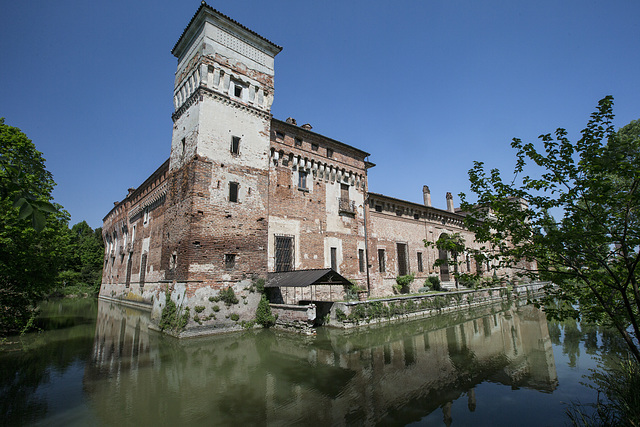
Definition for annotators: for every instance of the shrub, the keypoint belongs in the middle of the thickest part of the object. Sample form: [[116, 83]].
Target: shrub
[[264, 317], [199, 308], [351, 290], [340, 315], [215, 308], [424, 289], [435, 283], [259, 285], [228, 296], [234, 317], [171, 318], [403, 283]]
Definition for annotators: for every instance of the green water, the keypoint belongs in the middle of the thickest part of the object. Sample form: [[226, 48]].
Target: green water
[[97, 363]]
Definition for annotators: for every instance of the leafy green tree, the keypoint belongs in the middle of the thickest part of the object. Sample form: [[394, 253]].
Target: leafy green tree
[[592, 252], [452, 244], [84, 256], [29, 259]]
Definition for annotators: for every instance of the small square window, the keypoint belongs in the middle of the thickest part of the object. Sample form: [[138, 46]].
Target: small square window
[[280, 136], [314, 147], [237, 90], [378, 208], [329, 153], [298, 142], [229, 261], [416, 216], [233, 192], [235, 145]]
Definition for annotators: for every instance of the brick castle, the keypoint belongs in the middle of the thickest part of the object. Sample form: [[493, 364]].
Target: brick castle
[[244, 196]]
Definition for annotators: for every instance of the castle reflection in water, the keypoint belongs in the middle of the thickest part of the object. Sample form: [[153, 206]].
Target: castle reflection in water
[[393, 374]]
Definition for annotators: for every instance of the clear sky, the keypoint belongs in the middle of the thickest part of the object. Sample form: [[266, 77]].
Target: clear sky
[[426, 86]]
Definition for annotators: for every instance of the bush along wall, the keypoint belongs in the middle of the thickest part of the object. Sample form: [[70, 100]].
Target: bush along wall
[[355, 313]]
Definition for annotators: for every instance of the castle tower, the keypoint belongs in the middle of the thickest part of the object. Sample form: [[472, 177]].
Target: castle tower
[[216, 226]]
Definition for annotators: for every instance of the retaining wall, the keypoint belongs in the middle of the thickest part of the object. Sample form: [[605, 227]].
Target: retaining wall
[[351, 314]]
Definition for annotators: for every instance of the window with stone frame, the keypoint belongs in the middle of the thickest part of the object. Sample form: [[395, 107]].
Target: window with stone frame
[[361, 260], [302, 180], [298, 142], [284, 253], [420, 263], [334, 259], [403, 260], [233, 192], [382, 265], [235, 145], [229, 261]]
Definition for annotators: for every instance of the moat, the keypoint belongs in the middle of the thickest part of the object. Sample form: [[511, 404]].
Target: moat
[[96, 363]]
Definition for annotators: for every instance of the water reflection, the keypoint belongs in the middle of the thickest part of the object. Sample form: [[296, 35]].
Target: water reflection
[[394, 374]]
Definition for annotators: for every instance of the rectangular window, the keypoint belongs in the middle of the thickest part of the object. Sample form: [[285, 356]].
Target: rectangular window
[[382, 266], [314, 147], [127, 279], [233, 192], [235, 145], [403, 267], [361, 260], [334, 261], [298, 142], [237, 90], [229, 261], [284, 253], [378, 208], [302, 180], [279, 136], [329, 153], [420, 264], [143, 268]]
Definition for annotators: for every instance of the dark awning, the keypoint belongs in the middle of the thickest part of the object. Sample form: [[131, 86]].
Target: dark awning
[[302, 278]]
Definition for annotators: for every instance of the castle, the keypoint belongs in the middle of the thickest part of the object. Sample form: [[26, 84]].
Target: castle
[[244, 196]]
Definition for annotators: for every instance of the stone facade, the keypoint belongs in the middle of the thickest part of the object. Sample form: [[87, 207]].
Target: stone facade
[[243, 194]]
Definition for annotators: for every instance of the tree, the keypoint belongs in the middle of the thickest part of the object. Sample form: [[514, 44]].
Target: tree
[[29, 259], [83, 260], [452, 244], [592, 252]]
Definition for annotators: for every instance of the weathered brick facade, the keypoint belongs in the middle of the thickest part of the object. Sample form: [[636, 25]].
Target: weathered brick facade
[[243, 194]]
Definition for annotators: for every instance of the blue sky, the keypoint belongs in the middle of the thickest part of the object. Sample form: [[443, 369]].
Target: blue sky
[[426, 87]]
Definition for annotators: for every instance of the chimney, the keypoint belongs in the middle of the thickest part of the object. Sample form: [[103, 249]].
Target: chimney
[[426, 194], [291, 121], [450, 207], [306, 126]]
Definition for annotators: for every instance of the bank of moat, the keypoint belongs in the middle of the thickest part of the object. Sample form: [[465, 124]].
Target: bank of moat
[[244, 196]]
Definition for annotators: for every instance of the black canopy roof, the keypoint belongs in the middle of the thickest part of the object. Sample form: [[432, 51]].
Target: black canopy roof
[[302, 278]]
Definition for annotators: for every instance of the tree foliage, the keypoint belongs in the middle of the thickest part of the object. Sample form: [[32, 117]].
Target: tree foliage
[[84, 255], [591, 252], [32, 229]]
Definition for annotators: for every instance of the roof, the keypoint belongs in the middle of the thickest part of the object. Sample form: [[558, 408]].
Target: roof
[[416, 205], [204, 5], [334, 141], [303, 278]]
